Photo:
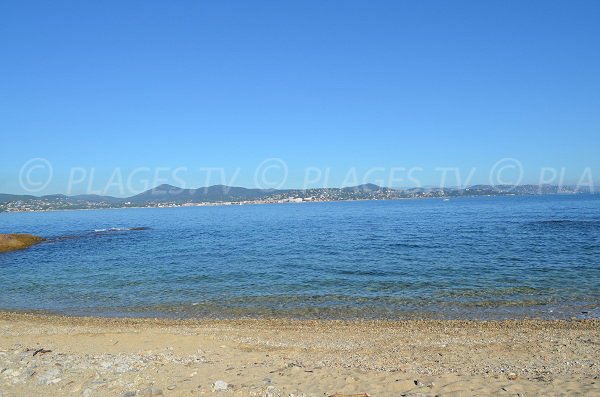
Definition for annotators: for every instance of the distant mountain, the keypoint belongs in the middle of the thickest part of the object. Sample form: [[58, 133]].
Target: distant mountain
[[171, 193], [367, 187], [7, 198], [96, 198], [81, 197]]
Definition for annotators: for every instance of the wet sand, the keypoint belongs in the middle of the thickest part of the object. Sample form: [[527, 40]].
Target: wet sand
[[44, 355]]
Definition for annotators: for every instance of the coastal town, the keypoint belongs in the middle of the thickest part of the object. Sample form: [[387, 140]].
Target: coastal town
[[174, 197]]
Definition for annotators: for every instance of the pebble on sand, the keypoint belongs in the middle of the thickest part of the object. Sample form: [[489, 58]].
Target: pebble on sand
[[150, 392], [220, 385]]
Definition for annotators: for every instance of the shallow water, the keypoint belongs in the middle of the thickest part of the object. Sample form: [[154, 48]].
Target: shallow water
[[489, 257]]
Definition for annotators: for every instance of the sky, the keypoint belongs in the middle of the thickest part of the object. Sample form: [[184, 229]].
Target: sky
[[115, 96]]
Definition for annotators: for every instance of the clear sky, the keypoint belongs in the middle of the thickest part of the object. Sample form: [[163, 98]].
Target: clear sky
[[337, 85]]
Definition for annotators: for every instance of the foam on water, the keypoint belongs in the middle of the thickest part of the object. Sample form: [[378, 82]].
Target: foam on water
[[120, 229]]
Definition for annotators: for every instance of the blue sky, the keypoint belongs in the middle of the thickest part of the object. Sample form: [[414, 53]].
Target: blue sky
[[337, 85]]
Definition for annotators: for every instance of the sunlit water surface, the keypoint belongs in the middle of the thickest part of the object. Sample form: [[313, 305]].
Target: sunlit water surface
[[490, 257]]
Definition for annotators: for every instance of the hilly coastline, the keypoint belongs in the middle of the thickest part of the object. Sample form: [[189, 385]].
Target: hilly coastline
[[169, 195]]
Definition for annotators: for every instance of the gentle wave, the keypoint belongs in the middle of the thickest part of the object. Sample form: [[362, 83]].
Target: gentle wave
[[120, 229]]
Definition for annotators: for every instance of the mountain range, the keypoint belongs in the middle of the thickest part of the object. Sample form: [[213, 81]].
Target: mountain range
[[170, 193], [221, 193]]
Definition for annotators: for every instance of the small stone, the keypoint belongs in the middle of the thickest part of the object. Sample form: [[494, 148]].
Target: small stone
[[220, 385], [128, 394], [171, 387], [14, 373], [150, 392], [48, 378], [512, 376], [106, 365]]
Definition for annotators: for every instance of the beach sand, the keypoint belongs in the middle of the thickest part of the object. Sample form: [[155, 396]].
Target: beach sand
[[144, 357]]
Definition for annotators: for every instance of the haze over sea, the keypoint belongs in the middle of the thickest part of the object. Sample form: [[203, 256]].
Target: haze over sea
[[487, 257]]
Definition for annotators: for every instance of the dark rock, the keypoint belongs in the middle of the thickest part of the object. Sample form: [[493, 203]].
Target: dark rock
[[12, 242]]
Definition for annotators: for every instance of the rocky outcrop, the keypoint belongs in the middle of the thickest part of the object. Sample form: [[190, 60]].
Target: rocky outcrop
[[12, 242]]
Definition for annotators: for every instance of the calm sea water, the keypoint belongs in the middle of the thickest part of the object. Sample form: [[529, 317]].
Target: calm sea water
[[492, 257]]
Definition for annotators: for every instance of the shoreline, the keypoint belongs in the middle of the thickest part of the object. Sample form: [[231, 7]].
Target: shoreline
[[89, 356], [591, 313], [235, 203], [228, 204], [68, 319]]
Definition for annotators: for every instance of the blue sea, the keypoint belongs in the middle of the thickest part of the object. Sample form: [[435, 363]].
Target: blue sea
[[469, 258]]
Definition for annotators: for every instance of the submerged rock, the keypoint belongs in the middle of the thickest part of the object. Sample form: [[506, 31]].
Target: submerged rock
[[12, 242]]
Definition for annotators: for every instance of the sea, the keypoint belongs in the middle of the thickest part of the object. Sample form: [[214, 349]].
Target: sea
[[465, 258]]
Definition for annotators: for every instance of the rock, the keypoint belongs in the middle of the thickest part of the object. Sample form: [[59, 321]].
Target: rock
[[220, 385], [128, 394], [12, 372], [12, 242], [271, 392], [512, 376], [49, 377], [171, 387], [351, 395], [122, 368], [150, 392], [106, 365]]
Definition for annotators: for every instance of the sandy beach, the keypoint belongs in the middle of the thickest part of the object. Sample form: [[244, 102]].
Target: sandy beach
[[42, 355]]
